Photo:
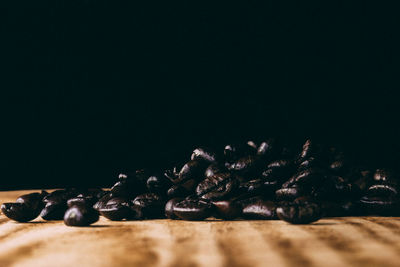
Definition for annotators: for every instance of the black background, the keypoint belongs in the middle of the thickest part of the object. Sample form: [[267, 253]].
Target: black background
[[91, 88]]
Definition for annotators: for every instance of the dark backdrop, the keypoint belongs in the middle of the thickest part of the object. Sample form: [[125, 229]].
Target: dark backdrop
[[91, 88]]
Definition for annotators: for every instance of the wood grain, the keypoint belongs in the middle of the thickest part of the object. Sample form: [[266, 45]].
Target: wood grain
[[352, 241]]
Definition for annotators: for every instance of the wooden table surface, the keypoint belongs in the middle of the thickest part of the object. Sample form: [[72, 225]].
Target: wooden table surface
[[352, 241]]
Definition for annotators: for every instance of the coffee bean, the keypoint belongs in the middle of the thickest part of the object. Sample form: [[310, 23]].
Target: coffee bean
[[169, 208], [193, 209], [148, 206], [80, 215], [218, 186], [117, 209], [226, 209], [193, 169], [259, 209], [299, 212], [19, 212], [205, 154], [54, 211]]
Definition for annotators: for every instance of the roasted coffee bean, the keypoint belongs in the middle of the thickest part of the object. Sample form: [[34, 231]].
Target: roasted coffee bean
[[60, 196], [102, 202], [248, 165], [183, 189], [259, 209], [81, 201], [205, 154], [299, 212], [217, 186], [158, 184], [305, 177], [226, 209], [266, 149], [290, 193], [128, 185], [310, 149], [169, 208], [255, 186], [234, 152], [19, 212], [54, 211], [80, 215], [193, 169], [148, 206], [279, 168], [382, 206], [117, 209], [193, 209], [214, 169]]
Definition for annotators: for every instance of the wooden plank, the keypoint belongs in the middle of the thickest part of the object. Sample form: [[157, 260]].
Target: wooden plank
[[352, 241]]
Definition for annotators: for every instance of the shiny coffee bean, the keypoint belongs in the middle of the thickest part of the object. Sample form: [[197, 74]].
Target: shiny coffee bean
[[19, 212], [54, 211], [205, 154], [148, 206], [193, 169], [183, 189], [299, 212], [234, 152], [248, 165], [305, 177], [310, 149], [60, 196], [158, 184], [80, 215], [102, 202], [217, 186], [290, 193], [80, 201], [226, 209], [259, 209], [117, 209], [214, 169], [266, 149], [193, 210], [169, 208]]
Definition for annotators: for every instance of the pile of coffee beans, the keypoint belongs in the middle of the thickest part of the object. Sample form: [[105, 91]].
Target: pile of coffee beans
[[267, 181]]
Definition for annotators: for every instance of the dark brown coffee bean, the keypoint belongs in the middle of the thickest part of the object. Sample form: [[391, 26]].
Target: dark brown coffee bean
[[259, 209], [214, 169], [19, 212], [290, 193], [117, 209], [226, 209], [193, 210], [248, 165], [169, 208], [299, 213], [80, 215], [305, 177], [193, 169], [54, 211], [158, 184], [266, 149], [205, 154], [217, 186], [148, 206]]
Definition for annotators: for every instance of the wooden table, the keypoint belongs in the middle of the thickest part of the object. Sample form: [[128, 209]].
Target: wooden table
[[353, 241]]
